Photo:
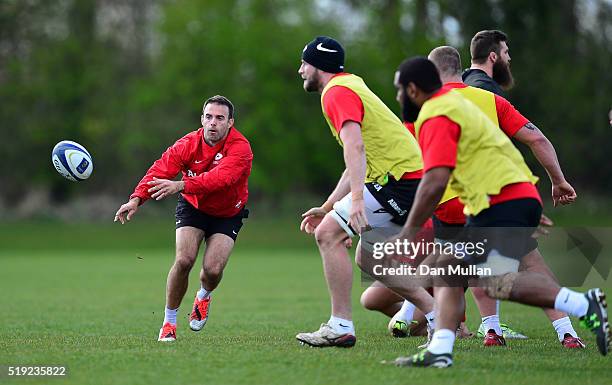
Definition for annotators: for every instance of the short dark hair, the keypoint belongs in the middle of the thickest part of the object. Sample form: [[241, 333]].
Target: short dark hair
[[420, 71], [218, 99], [485, 42], [447, 60]]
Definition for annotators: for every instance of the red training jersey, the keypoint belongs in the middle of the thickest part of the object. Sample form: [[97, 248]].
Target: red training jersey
[[216, 177]]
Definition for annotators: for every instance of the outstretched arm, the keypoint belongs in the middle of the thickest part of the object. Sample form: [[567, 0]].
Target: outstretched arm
[[562, 192], [167, 166]]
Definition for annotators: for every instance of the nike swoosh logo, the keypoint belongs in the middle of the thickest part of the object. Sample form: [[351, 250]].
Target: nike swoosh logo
[[344, 326], [321, 48], [179, 221], [198, 161], [235, 233]]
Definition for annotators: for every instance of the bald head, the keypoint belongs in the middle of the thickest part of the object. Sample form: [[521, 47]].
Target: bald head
[[448, 62]]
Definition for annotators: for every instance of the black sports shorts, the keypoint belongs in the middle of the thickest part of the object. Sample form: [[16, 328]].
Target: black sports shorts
[[187, 215], [507, 227], [445, 231], [396, 197]]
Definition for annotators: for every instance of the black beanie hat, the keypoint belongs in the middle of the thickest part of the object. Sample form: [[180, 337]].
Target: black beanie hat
[[325, 54], [420, 71]]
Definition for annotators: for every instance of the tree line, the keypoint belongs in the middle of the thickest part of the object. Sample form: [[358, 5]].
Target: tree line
[[126, 79]]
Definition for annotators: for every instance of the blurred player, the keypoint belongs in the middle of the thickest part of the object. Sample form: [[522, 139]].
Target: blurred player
[[490, 70], [460, 144], [405, 319], [215, 162], [374, 193], [448, 62]]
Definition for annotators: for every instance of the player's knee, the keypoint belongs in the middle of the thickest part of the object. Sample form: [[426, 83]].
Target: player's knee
[[500, 287], [367, 301], [184, 262], [213, 271], [323, 234], [328, 232]]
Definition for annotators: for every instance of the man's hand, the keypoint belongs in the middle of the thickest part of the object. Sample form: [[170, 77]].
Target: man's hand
[[164, 187], [312, 219], [542, 228], [563, 193], [357, 217], [127, 210]]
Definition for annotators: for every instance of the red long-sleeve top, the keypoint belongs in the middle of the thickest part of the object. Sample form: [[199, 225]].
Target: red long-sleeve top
[[216, 177]]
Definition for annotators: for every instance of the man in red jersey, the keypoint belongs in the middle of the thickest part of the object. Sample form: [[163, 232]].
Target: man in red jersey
[[215, 162]]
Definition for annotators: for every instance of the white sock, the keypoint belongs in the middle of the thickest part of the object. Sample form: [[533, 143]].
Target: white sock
[[497, 303], [203, 293], [571, 302], [564, 326], [406, 313], [341, 325], [442, 342], [492, 322], [431, 319], [170, 316]]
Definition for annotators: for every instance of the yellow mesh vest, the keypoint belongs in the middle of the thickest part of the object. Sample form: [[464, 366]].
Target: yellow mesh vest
[[389, 146], [486, 158], [485, 101]]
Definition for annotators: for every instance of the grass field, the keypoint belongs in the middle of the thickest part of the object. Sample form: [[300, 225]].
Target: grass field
[[92, 298]]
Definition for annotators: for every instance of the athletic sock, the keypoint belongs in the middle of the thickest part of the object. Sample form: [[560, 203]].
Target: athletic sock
[[170, 316], [406, 313], [564, 326], [431, 319], [341, 325], [492, 322], [497, 303], [442, 342], [203, 293], [571, 302]]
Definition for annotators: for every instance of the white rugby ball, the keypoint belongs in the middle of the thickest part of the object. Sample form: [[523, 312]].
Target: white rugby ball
[[72, 160]]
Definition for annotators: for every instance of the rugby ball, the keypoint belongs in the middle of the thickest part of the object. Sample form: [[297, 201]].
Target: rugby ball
[[72, 160]]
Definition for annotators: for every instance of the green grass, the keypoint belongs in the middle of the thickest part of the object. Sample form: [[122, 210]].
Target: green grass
[[96, 304]]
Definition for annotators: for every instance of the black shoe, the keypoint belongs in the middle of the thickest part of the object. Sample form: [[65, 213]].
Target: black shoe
[[596, 319], [426, 359]]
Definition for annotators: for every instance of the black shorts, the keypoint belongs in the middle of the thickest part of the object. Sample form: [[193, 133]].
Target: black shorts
[[396, 197], [507, 227], [445, 231], [187, 215]]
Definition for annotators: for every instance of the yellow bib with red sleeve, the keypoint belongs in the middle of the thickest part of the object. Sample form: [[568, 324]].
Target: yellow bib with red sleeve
[[389, 148], [486, 158], [485, 101]]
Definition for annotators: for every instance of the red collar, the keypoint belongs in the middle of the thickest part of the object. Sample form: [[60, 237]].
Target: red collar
[[455, 85]]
